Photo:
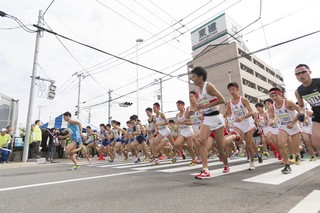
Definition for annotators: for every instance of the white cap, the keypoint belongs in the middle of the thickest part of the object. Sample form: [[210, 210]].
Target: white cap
[[3, 130]]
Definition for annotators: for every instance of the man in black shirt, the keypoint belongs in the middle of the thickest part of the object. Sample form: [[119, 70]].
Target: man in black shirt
[[310, 92]]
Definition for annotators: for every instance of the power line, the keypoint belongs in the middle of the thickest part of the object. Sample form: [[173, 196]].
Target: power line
[[47, 8], [99, 50], [152, 37]]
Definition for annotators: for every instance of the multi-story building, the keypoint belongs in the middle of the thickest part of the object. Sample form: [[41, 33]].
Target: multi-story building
[[226, 60]]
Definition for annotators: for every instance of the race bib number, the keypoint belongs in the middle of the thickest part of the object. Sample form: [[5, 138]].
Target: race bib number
[[238, 113], [195, 119], [284, 119], [313, 99]]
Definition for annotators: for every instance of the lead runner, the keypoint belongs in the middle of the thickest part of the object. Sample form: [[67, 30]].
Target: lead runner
[[209, 99]]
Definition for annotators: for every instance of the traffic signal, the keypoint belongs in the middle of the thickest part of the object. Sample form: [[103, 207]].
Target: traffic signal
[[51, 92], [125, 104], [75, 113]]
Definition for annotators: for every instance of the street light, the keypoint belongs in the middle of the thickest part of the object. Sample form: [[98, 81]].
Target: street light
[[139, 40]]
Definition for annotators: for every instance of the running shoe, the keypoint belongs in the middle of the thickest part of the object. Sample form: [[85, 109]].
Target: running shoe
[[155, 161], [75, 167], [146, 159], [252, 166], [291, 159], [162, 157], [226, 169], [192, 163], [298, 160], [203, 175], [197, 161], [313, 158], [266, 154], [111, 161], [286, 169], [183, 155], [241, 154], [260, 158], [174, 160], [125, 160], [138, 160], [90, 161]]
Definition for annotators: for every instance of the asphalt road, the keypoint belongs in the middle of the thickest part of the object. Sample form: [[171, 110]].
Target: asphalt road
[[129, 187]]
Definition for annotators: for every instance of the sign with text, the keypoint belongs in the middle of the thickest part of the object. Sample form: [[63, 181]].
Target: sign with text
[[42, 90], [209, 31]]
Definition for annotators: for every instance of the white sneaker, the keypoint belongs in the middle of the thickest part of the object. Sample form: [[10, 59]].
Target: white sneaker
[[155, 161], [252, 166]]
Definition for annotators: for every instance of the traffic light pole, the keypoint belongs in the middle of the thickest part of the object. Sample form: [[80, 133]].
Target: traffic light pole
[[31, 96], [109, 106]]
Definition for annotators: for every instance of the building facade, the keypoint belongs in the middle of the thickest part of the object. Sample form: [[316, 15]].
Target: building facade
[[226, 60]]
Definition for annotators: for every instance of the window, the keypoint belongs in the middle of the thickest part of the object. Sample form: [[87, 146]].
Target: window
[[272, 83], [248, 83], [279, 77], [244, 54], [270, 71], [258, 64], [251, 99], [258, 75], [247, 69], [264, 90]]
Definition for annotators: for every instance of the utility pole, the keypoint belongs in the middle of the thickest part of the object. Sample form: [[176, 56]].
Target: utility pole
[[109, 106], [229, 73], [79, 75], [139, 40], [31, 96], [161, 106], [39, 113]]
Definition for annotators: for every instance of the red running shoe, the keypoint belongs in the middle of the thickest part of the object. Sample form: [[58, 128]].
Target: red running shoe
[[203, 175], [162, 157], [226, 169]]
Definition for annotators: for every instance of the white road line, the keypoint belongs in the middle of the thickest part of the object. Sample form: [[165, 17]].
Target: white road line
[[275, 177], [138, 165], [113, 165], [167, 165], [309, 204], [239, 168], [180, 169], [66, 181]]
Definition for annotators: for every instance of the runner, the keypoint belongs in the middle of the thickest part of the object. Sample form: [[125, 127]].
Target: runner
[[306, 127], [244, 124], [196, 118], [259, 120], [164, 132], [76, 141], [186, 132], [288, 126], [209, 99], [310, 92], [271, 132]]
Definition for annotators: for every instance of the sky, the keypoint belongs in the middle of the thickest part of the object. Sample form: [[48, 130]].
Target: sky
[[114, 26]]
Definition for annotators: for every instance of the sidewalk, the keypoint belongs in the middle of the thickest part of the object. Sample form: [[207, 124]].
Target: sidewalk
[[11, 165]]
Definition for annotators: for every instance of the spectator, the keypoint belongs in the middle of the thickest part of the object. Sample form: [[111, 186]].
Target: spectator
[[4, 140], [37, 137]]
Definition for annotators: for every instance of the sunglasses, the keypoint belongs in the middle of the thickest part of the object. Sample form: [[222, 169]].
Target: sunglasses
[[302, 72]]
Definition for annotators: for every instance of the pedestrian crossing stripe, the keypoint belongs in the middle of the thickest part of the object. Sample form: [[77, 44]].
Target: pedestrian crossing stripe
[[199, 166], [180, 163], [275, 177], [239, 168], [309, 204]]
